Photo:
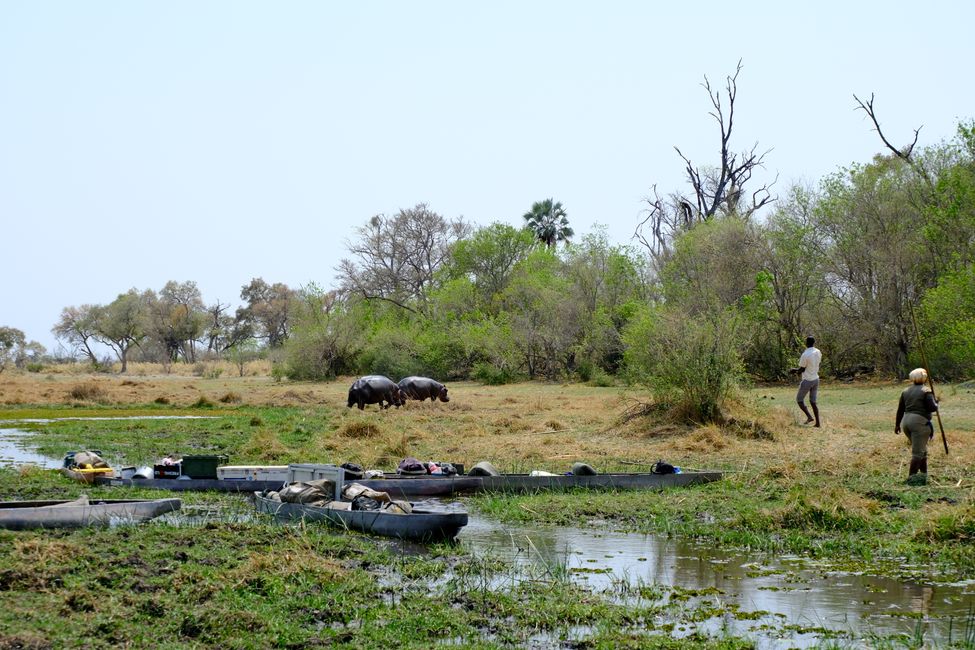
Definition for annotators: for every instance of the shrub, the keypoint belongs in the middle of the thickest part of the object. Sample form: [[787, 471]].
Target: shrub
[[359, 429], [487, 373], [89, 391], [690, 363]]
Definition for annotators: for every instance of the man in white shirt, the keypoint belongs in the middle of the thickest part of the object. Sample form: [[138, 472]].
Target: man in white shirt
[[809, 385]]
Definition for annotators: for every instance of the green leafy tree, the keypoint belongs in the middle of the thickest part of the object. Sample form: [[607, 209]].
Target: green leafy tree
[[549, 222], [947, 321], [123, 323], [487, 258], [326, 335], [545, 319], [177, 320], [11, 339], [268, 310]]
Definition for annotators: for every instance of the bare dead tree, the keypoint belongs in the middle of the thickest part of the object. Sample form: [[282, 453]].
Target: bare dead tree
[[719, 190], [396, 258], [904, 153]]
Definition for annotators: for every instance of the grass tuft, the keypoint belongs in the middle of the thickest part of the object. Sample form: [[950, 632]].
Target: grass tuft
[[359, 429], [88, 391]]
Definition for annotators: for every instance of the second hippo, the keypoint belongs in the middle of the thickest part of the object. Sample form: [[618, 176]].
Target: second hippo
[[422, 388]]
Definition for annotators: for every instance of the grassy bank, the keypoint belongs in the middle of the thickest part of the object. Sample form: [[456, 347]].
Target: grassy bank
[[835, 493]]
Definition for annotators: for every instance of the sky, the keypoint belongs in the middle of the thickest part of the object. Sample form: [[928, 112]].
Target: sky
[[216, 142]]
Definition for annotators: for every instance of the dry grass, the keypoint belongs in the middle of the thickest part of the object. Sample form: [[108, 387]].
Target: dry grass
[[548, 426]]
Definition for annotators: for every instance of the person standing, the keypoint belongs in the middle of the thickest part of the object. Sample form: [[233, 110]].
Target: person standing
[[809, 384], [914, 411]]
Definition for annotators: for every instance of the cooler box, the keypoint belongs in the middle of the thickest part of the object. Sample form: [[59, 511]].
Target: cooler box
[[202, 466], [253, 473], [302, 472]]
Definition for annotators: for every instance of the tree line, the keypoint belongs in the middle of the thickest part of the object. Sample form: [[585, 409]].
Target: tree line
[[722, 281]]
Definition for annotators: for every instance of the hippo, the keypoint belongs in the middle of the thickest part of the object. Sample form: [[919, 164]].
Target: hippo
[[423, 387], [374, 389]]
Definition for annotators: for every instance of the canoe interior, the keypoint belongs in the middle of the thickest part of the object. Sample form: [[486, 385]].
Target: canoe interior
[[421, 525]]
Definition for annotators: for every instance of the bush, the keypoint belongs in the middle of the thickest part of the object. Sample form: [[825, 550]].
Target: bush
[[492, 375], [690, 363], [90, 392]]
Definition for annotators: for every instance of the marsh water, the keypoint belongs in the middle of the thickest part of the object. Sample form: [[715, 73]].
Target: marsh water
[[788, 594], [15, 449], [774, 600]]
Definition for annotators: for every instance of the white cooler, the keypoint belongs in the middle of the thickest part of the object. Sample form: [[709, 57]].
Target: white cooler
[[253, 473]]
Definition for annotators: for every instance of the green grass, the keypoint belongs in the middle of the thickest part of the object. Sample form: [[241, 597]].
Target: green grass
[[835, 494]]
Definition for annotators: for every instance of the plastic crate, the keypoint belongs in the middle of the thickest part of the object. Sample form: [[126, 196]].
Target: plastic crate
[[253, 473], [303, 472], [202, 466]]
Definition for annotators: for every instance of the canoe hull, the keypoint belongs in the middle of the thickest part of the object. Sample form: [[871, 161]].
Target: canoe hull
[[428, 486], [420, 526], [400, 487], [520, 483], [25, 515], [193, 484]]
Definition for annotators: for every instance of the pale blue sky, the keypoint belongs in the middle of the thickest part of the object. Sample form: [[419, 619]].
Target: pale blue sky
[[221, 141]]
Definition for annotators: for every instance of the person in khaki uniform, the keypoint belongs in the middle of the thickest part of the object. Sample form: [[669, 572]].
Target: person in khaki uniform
[[914, 411]]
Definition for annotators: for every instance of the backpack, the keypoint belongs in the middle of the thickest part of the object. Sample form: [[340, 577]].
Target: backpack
[[660, 467]]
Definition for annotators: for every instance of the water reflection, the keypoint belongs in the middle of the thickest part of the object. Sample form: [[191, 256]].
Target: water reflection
[[15, 450], [788, 590]]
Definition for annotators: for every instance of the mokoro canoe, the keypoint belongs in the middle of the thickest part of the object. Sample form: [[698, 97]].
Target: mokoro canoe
[[419, 526], [191, 484], [22, 515], [87, 475], [399, 486], [626, 481]]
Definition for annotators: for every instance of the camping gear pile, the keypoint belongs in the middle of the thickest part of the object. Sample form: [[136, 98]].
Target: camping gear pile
[[322, 493]]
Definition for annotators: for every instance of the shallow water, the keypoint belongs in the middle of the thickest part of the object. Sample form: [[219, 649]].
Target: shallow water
[[786, 590], [15, 449]]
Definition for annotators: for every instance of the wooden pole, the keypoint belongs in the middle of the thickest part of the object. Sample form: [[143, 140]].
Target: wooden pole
[[924, 360]]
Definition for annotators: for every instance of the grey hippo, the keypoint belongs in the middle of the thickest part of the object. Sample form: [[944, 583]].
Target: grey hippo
[[375, 389], [422, 388]]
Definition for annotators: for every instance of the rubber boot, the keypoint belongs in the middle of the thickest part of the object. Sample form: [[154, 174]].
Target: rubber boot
[[809, 417], [816, 411], [915, 477]]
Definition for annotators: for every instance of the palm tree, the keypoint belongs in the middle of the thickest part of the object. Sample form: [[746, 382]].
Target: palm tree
[[547, 219]]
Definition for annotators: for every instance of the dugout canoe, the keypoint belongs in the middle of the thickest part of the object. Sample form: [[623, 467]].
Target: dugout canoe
[[418, 526], [87, 475], [24, 515], [399, 486], [192, 484], [518, 483]]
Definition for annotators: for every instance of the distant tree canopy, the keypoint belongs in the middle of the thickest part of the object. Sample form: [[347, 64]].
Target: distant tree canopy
[[724, 283]]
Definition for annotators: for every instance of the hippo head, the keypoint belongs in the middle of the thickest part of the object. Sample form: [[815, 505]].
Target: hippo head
[[399, 396], [442, 396], [352, 399]]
